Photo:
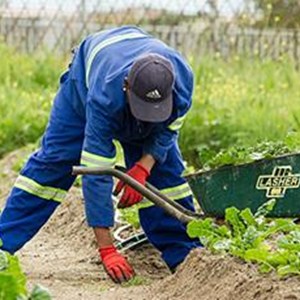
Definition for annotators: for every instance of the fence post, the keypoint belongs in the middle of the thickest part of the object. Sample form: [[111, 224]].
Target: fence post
[[297, 49]]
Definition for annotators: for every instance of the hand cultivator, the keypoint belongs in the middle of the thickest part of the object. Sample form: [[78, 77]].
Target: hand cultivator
[[247, 185]]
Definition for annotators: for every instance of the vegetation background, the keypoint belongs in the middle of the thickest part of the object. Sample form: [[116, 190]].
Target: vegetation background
[[239, 102], [245, 56]]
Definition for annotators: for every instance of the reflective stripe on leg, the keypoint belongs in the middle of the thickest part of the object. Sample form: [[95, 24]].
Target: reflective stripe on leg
[[45, 192]]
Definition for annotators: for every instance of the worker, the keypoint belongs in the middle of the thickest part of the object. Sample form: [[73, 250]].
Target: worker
[[122, 84]]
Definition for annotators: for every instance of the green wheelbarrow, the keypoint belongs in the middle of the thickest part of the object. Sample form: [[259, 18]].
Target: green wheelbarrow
[[246, 185]]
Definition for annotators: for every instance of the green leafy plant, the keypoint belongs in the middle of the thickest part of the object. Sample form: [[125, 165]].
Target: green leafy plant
[[265, 150], [136, 281], [131, 216], [240, 102], [13, 281], [274, 244]]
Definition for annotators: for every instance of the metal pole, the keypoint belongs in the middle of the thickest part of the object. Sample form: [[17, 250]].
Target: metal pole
[[157, 200]]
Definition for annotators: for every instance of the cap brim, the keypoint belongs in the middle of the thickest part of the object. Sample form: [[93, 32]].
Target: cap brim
[[149, 111]]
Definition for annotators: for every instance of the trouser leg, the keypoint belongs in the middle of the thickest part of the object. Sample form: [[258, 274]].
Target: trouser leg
[[166, 233], [32, 201], [46, 177]]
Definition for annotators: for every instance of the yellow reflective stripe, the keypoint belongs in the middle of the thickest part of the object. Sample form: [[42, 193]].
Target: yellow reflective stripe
[[34, 188], [177, 192], [173, 193], [177, 124], [108, 42], [92, 160]]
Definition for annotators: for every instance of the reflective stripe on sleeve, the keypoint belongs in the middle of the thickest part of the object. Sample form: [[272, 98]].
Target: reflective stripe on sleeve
[[173, 193], [177, 124], [92, 160], [108, 42], [34, 188]]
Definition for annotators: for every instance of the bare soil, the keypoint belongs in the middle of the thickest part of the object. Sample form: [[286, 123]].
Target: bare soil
[[63, 257]]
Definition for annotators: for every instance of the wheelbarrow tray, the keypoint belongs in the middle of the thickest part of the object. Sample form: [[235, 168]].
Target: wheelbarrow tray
[[250, 185]]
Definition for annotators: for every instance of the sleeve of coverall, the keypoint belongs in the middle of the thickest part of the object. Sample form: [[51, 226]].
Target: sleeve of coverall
[[98, 151], [165, 136]]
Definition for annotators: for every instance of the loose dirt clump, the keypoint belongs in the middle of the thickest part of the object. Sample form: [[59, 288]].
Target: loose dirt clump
[[206, 276]]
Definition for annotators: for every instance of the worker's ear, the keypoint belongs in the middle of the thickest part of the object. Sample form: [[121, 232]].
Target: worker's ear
[[125, 85]]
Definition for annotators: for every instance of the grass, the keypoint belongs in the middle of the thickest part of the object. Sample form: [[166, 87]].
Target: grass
[[136, 281], [240, 102], [27, 86]]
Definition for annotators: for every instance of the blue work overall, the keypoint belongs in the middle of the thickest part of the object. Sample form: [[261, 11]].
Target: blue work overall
[[89, 112]]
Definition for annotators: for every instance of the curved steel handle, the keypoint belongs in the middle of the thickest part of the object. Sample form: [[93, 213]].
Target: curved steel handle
[[152, 195], [165, 198]]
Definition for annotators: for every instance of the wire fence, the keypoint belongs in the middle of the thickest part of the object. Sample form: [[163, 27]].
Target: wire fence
[[267, 29]]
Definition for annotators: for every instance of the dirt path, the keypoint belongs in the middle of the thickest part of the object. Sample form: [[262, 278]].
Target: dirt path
[[63, 257]]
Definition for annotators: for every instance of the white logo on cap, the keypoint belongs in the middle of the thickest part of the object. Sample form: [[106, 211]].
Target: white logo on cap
[[154, 94]]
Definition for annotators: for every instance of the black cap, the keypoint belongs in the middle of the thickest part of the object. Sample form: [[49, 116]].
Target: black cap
[[151, 80]]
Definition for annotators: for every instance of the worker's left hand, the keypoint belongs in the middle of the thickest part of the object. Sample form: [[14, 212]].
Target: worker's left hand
[[115, 264], [131, 196]]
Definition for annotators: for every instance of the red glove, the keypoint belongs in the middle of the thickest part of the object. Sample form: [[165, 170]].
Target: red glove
[[115, 264], [131, 196]]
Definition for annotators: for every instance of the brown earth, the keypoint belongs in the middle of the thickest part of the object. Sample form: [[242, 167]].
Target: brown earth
[[63, 258], [206, 277]]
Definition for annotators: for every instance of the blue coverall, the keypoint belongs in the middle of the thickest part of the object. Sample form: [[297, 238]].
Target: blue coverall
[[90, 111]]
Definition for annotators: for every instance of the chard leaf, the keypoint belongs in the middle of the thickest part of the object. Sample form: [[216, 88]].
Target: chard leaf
[[287, 270], [12, 279], [264, 268], [221, 245], [290, 241], [39, 293], [257, 255], [223, 231], [236, 251], [285, 225], [201, 228], [248, 217], [279, 226], [3, 260], [233, 219], [264, 209], [278, 258], [8, 287], [251, 238]]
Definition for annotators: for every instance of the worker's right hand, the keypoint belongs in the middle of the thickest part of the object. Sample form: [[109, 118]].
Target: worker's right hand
[[130, 196], [115, 264]]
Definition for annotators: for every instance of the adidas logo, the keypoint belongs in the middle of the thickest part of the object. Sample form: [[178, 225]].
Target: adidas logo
[[154, 94]]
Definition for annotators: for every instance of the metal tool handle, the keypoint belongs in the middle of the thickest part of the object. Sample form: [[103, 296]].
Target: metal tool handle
[[153, 195], [165, 198]]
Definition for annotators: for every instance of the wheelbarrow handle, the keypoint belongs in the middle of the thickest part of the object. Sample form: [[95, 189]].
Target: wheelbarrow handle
[[146, 192]]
